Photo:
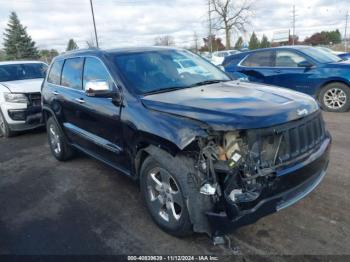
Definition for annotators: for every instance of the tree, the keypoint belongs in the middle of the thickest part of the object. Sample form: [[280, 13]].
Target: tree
[[72, 45], [47, 55], [254, 42], [265, 42], [2, 55], [239, 43], [166, 40], [231, 15], [17, 43], [324, 38], [216, 44]]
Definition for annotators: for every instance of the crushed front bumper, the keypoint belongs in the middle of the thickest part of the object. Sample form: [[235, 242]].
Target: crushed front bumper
[[294, 183]]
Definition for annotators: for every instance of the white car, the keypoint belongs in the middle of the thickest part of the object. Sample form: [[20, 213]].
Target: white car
[[187, 66], [218, 57], [20, 97]]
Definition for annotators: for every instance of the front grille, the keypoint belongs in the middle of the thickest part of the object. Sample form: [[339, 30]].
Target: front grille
[[34, 99], [282, 144]]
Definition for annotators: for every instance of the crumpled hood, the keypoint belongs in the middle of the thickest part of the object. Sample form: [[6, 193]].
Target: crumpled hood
[[24, 86], [234, 105]]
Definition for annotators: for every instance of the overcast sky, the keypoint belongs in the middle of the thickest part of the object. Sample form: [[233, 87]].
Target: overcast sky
[[137, 22]]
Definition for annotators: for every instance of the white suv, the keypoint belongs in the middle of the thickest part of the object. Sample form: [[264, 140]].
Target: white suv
[[20, 97]]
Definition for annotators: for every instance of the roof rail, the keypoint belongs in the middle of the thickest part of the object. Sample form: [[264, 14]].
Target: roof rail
[[80, 50]]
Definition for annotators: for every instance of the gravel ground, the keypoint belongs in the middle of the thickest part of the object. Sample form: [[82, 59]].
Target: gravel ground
[[85, 207]]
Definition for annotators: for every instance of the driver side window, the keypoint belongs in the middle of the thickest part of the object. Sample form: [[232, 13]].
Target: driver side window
[[94, 70], [288, 59]]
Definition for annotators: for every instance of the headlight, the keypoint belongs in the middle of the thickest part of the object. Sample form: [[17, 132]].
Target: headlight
[[15, 98]]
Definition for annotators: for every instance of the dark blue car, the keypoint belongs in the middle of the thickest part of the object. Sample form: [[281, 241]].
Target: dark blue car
[[309, 70]]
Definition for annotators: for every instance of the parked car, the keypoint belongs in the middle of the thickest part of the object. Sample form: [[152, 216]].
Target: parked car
[[20, 99], [210, 154], [188, 66], [342, 55], [218, 57], [306, 69]]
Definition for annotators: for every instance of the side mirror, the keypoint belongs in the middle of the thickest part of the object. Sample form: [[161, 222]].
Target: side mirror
[[305, 64], [101, 88], [97, 88]]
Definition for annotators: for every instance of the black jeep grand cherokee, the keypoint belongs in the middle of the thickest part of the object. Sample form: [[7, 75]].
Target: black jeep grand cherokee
[[211, 154]]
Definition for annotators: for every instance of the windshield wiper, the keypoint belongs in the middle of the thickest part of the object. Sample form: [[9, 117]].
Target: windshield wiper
[[164, 90], [208, 82]]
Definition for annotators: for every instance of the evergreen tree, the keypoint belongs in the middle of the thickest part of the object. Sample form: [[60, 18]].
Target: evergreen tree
[[72, 45], [254, 42], [47, 55], [265, 42], [17, 43], [239, 43]]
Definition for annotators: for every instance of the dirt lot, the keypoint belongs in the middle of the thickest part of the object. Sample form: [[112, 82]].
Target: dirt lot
[[84, 207]]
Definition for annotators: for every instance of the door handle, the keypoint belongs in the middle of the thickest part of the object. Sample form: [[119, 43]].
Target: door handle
[[278, 71], [80, 100], [55, 93]]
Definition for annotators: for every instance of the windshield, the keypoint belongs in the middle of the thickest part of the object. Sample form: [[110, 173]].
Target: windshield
[[22, 71], [158, 71], [321, 56]]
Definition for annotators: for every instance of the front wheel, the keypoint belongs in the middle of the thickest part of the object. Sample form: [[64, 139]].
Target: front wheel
[[4, 127], [335, 97], [163, 194]]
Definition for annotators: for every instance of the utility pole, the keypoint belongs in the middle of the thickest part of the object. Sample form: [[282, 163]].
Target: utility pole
[[210, 31], [195, 39], [93, 19], [346, 30], [293, 36]]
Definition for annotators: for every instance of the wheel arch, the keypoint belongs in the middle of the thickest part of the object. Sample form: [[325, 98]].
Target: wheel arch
[[331, 81], [143, 146]]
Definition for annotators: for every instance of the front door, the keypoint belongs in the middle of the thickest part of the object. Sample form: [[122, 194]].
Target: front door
[[290, 75], [100, 117]]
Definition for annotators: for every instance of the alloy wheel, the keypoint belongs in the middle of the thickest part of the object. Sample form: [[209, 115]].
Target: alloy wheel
[[55, 140], [335, 98], [164, 195]]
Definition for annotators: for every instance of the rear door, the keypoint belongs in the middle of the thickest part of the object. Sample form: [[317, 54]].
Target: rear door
[[258, 66]]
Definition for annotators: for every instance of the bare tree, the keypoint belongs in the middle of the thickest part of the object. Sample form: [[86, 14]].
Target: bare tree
[[166, 40], [231, 15]]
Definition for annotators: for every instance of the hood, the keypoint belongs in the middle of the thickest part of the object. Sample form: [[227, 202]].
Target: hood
[[341, 64], [234, 105], [24, 86]]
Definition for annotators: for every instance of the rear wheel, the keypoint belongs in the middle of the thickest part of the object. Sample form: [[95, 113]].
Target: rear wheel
[[4, 127], [163, 194], [335, 97], [59, 146]]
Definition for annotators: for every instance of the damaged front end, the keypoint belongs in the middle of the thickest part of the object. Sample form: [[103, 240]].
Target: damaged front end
[[244, 175]]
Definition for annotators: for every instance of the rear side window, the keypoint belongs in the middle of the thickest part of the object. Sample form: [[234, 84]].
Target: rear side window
[[72, 73], [94, 70], [259, 59], [55, 73]]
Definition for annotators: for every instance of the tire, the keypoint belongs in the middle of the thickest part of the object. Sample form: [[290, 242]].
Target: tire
[[335, 97], [178, 223], [5, 130], [59, 146]]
